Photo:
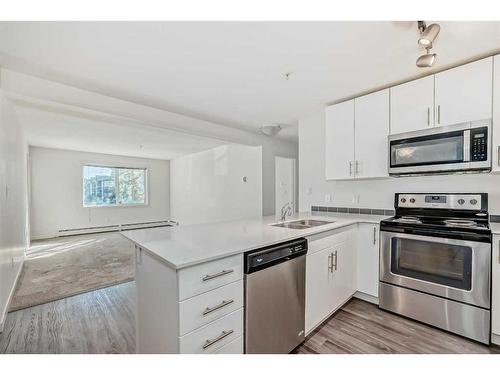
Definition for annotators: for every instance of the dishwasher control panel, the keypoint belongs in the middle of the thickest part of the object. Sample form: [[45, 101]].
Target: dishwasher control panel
[[271, 255]]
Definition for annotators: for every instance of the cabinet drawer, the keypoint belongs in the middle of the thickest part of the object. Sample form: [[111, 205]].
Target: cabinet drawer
[[234, 347], [324, 240], [213, 336], [207, 276], [207, 307]]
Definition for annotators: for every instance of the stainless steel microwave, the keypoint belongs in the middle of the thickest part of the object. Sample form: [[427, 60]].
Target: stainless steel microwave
[[461, 148]]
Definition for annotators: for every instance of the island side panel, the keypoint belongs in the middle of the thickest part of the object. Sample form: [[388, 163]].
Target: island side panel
[[157, 315]]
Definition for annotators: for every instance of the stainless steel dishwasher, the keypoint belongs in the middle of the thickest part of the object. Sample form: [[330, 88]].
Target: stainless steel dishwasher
[[275, 297]]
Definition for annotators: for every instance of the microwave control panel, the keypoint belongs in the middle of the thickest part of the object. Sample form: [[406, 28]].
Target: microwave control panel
[[479, 144]]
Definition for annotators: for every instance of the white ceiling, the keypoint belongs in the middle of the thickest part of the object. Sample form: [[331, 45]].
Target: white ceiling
[[93, 132], [234, 72]]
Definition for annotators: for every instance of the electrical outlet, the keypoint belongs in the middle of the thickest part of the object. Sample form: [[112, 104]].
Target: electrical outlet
[[309, 190], [328, 198]]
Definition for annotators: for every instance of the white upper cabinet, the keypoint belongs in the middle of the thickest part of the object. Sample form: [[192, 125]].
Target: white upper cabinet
[[496, 115], [464, 93], [412, 105], [371, 124], [339, 141]]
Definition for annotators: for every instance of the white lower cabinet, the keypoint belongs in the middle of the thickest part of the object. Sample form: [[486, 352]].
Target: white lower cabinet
[[495, 290], [330, 274], [197, 309], [368, 259]]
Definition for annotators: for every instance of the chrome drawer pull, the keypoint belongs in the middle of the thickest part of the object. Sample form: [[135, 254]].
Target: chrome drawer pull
[[335, 256], [224, 334], [209, 310], [219, 274]]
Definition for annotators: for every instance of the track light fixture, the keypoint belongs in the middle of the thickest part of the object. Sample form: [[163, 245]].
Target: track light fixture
[[428, 35]]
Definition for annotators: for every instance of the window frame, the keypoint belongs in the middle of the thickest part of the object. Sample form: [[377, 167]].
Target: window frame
[[116, 166]]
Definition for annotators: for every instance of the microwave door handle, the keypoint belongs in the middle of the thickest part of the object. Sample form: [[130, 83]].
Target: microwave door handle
[[466, 145]]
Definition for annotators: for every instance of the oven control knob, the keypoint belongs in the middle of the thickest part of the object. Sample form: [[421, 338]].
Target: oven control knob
[[412, 200], [403, 200], [461, 201], [473, 201]]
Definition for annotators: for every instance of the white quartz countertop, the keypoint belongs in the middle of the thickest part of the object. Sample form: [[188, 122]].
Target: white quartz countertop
[[495, 228], [186, 245]]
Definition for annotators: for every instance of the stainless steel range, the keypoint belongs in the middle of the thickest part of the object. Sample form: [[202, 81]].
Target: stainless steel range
[[435, 262]]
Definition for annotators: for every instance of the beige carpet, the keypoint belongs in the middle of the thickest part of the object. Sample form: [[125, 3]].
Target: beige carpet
[[62, 267]]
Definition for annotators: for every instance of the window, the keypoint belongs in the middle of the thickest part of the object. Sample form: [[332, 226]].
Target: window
[[113, 186]]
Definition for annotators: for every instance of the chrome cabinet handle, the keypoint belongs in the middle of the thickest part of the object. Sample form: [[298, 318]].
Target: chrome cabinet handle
[[428, 116], [350, 168], [498, 152], [209, 310], [334, 256], [439, 114], [330, 262], [224, 334], [356, 170], [374, 235], [215, 275]]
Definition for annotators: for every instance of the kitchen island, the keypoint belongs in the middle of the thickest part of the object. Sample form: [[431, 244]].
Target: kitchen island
[[189, 278]]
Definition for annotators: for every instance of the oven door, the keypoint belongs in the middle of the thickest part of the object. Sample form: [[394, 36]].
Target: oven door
[[455, 269]]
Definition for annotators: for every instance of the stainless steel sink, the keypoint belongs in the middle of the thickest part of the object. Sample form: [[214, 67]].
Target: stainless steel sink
[[302, 224]]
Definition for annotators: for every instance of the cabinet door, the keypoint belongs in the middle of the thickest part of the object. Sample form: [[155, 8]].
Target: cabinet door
[[495, 287], [339, 141], [318, 288], [496, 115], [464, 93], [371, 128], [412, 105], [368, 259], [344, 273]]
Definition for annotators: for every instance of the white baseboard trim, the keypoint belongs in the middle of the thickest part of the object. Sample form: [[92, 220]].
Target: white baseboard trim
[[3, 316], [495, 339], [366, 297]]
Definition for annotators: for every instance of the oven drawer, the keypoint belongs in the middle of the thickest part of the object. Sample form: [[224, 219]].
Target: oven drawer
[[455, 269]]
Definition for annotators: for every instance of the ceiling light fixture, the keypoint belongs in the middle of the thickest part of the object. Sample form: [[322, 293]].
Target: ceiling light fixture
[[427, 60], [428, 35], [270, 130]]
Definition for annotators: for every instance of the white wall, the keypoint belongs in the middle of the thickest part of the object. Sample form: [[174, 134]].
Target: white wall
[[13, 202], [209, 187], [26, 87], [57, 191], [372, 193]]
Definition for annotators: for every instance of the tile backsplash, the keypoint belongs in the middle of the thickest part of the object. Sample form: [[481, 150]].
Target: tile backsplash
[[350, 210]]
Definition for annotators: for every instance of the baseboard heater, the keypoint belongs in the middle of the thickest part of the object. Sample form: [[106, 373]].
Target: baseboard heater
[[116, 228]]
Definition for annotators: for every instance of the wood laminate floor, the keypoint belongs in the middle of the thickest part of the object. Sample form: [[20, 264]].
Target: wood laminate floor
[[362, 328], [103, 321]]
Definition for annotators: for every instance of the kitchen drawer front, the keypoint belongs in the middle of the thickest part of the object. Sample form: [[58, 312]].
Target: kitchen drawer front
[[324, 240], [207, 276], [210, 306], [234, 347], [213, 336]]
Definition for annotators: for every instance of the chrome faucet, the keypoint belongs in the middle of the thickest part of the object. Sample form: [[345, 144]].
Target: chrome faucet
[[286, 210]]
